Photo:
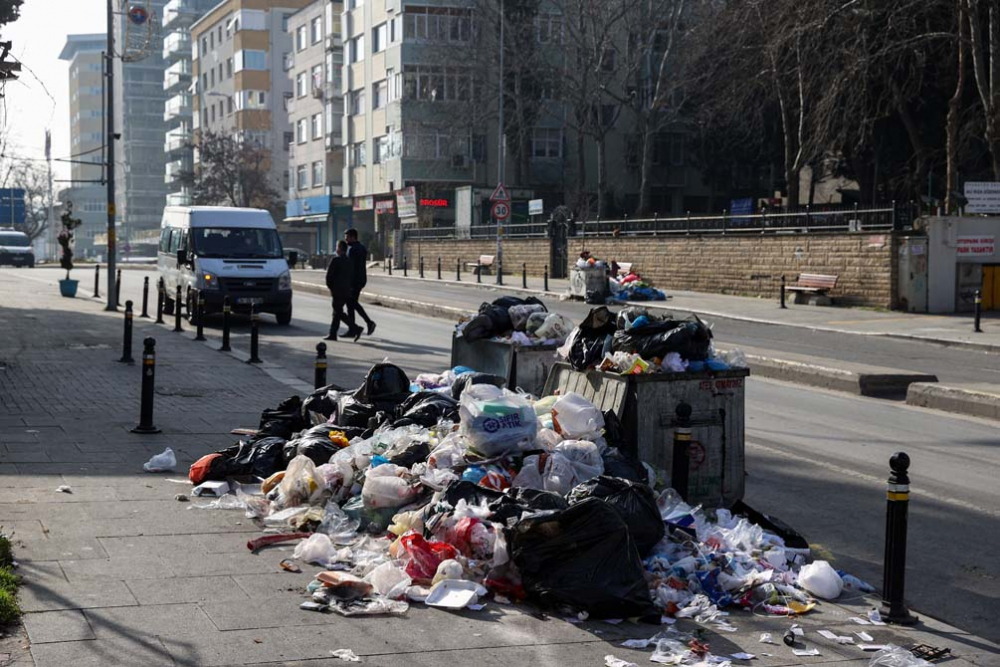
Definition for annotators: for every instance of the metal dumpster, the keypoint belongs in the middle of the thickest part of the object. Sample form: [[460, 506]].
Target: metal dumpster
[[591, 279], [646, 405], [524, 366]]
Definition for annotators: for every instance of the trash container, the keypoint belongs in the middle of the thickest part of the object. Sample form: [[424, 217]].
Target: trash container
[[524, 366], [647, 404], [590, 279]]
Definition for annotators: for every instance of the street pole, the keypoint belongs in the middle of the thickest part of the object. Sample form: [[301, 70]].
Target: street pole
[[500, 151], [109, 142]]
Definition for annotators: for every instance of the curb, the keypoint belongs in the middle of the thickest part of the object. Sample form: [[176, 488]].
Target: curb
[[974, 400], [416, 307]]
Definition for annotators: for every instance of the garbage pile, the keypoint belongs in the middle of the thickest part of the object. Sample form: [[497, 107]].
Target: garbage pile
[[525, 322], [636, 341], [469, 493], [630, 287]]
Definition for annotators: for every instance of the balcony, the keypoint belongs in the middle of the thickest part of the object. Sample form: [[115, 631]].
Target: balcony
[[177, 77], [179, 14], [176, 45], [177, 107], [177, 140], [178, 199], [176, 168]]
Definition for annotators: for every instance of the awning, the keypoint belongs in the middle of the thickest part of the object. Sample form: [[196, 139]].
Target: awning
[[307, 219]]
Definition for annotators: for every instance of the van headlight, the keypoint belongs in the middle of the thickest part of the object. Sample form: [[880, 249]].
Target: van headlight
[[208, 281], [285, 281]]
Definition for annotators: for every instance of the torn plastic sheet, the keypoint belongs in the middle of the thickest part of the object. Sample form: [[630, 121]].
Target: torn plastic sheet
[[369, 607]]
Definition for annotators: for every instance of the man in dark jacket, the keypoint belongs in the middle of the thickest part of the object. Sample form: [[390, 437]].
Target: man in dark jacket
[[359, 258], [340, 282]]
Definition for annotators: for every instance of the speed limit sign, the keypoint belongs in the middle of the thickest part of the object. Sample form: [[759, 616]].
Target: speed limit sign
[[501, 210]]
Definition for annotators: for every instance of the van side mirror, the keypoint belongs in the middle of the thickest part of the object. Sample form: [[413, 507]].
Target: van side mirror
[[293, 258], [182, 258]]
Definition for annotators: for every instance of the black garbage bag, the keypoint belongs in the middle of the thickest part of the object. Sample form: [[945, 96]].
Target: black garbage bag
[[314, 443], [619, 464], [627, 315], [470, 492], [634, 502], [385, 387], [276, 429], [416, 452], [259, 458], [322, 401], [690, 339], [583, 557], [468, 379], [355, 414], [519, 501], [426, 408], [596, 297], [288, 412], [479, 327], [614, 430], [587, 348], [499, 318]]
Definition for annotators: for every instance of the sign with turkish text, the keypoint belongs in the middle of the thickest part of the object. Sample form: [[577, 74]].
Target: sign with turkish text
[[365, 203], [536, 207], [975, 246], [385, 206], [983, 197], [406, 202]]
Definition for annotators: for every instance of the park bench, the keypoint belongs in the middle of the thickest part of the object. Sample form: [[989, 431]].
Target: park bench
[[483, 265], [815, 284]]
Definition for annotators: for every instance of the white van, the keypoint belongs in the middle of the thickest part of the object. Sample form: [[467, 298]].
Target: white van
[[222, 252]]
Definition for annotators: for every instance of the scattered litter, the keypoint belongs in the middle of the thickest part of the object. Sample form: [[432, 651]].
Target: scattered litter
[[803, 652], [896, 656], [928, 652], [612, 661], [636, 643], [860, 621], [182, 498], [743, 656], [864, 636], [833, 636], [163, 462], [873, 647], [212, 489], [345, 654], [797, 631], [765, 638], [500, 599], [874, 617], [186, 482], [288, 566], [64, 489]]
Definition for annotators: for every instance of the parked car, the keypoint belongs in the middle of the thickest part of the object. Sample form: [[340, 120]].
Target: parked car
[[15, 248], [301, 257]]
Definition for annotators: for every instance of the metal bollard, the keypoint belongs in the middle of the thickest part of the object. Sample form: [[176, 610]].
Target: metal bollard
[[97, 281], [319, 377], [499, 264], [148, 377], [405, 274], [145, 297], [979, 311], [421, 263], [200, 315], [679, 462], [439, 268], [227, 311], [161, 292], [783, 291], [390, 265], [546, 277], [458, 270], [127, 339], [524, 276], [118, 287], [894, 562], [254, 336], [177, 311], [479, 270]]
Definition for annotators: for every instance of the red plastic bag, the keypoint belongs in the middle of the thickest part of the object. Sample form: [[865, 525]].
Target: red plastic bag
[[425, 556]]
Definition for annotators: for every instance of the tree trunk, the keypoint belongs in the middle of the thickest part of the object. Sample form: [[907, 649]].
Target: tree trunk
[[954, 110], [647, 136], [582, 203], [602, 174], [986, 65]]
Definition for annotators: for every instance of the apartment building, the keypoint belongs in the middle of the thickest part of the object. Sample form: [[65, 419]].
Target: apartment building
[[86, 130], [316, 213], [240, 84], [178, 16]]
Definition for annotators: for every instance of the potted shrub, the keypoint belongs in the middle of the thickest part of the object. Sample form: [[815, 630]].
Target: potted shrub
[[68, 287]]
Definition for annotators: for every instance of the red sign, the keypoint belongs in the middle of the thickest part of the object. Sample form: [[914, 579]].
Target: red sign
[[976, 245], [501, 210], [138, 15], [435, 203], [500, 194], [385, 206]]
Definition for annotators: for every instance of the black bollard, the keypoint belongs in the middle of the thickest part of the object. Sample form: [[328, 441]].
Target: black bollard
[[145, 297], [405, 274], [319, 377], [254, 336], [148, 377], [783, 291], [546, 277], [199, 313], [161, 292], [979, 311], [421, 263], [524, 276], [97, 281], [479, 270], [439, 268], [177, 311], [390, 265], [226, 314], [127, 339], [458, 270], [894, 562], [499, 264], [679, 462], [118, 287]]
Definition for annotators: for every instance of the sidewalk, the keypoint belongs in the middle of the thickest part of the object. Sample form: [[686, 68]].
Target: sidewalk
[[120, 573], [952, 330]]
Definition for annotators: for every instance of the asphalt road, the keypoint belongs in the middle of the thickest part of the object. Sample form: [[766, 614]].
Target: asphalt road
[[816, 459]]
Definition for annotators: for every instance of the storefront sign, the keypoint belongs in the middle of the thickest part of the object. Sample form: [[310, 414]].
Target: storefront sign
[[536, 207], [406, 202], [385, 206], [435, 203], [984, 197], [975, 246], [365, 203]]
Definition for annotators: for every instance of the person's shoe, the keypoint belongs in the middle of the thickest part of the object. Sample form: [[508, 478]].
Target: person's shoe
[[331, 337], [357, 334], [371, 327]]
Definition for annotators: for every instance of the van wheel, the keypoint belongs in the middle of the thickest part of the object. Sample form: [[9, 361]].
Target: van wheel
[[284, 317]]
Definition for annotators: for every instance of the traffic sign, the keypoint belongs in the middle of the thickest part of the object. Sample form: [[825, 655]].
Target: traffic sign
[[501, 210], [138, 15], [500, 194]]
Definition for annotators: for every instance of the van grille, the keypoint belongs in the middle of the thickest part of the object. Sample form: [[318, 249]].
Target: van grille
[[247, 285]]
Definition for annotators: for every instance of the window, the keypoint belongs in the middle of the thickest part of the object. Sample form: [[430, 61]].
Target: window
[[393, 30], [165, 240], [380, 92], [437, 24], [300, 131], [211, 40], [317, 30], [302, 177], [668, 148], [253, 60], [251, 99], [358, 102], [284, 22], [211, 78], [318, 174], [229, 68], [230, 103], [317, 126], [433, 83], [221, 77], [358, 49], [317, 77], [301, 85], [301, 35], [358, 156], [546, 142], [379, 34], [204, 82], [213, 112], [204, 116], [381, 149], [354, 4], [548, 28], [220, 34], [289, 140], [608, 60], [204, 46]]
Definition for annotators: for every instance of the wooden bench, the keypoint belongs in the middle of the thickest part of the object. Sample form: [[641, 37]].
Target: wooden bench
[[816, 284], [483, 265]]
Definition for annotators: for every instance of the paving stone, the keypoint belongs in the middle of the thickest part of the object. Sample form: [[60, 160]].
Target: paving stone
[[56, 548], [57, 626], [214, 589], [36, 595], [199, 565], [145, 651], [49, 494], [118, 569], [160, 620]]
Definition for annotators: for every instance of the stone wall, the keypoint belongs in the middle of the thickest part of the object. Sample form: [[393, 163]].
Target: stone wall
[[533, 252], [753, 264]]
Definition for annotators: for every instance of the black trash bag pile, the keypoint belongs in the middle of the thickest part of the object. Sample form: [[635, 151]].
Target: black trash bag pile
[[258, 458], [588, 339], [314, 443], [635, 503], [284, 420], [466, 380], [385, 388], [322, 402], [584, 557], [494, 318], [507, 507], [426, 408], [690, 339]]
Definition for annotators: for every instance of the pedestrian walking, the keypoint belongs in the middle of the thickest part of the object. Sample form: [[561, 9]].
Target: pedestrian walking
[[359, 259], [340, 282]]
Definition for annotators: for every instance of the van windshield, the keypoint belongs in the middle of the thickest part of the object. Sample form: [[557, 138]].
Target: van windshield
[[236, 242], [14, 239]]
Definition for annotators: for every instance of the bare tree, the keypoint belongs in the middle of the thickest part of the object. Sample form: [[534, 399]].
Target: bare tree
[[955, 109], [34, 180], [232, 172], [984, 43]]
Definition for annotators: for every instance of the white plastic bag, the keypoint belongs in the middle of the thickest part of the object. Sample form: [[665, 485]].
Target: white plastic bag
[[820, 579], [577, 418], [572, 462], [555, 326], [389, 581], [496, 421], [301, 484], [317, 549], [385, 488], [165, 462], [584, 457], [535, 321], [895, 656], [519, 314]]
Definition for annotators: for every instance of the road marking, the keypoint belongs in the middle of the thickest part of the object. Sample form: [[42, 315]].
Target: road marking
[[848, 472]]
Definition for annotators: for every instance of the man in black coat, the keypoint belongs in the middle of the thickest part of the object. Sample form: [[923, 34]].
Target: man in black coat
[[340, 282], [359, 258]]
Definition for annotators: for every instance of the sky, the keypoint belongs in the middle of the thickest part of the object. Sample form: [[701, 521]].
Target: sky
[[38, 36]]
